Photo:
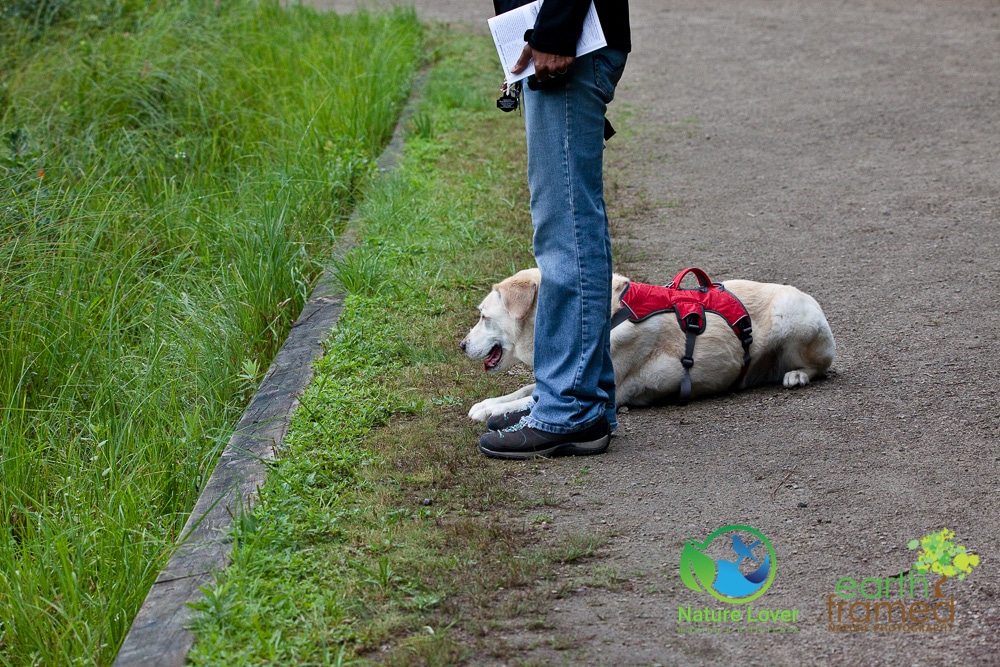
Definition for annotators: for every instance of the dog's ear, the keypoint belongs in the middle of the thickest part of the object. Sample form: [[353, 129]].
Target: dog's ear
[[518, 296], [618, 286]]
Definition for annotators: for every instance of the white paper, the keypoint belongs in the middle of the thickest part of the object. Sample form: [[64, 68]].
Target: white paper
[[508, 34]]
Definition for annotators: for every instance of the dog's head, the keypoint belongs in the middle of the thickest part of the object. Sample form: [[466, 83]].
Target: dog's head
[[505, 333]]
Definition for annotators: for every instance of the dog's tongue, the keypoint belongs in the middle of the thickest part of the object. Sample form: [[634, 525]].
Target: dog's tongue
[[493, 358]]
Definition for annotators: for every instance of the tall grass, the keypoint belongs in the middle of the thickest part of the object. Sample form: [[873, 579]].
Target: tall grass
[[170, 177]]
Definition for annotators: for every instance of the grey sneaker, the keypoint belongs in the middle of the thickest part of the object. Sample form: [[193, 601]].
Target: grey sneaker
[[500, 421], [524, 442]]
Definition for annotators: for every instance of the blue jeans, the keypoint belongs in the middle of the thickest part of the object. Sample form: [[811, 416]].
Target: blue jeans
[[575, 381]]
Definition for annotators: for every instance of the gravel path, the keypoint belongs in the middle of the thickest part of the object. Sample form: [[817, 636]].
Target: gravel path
[[849, 148]]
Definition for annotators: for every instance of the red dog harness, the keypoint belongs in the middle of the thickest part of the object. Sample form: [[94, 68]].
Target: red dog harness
[[641, 301]]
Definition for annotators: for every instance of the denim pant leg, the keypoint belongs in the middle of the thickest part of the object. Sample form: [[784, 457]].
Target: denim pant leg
[[572, 359]]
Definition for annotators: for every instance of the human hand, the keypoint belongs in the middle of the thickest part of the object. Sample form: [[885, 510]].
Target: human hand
[[547, 65]]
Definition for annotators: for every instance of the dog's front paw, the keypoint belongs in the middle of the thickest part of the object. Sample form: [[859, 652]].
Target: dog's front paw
[[796, 379], [481, 411]]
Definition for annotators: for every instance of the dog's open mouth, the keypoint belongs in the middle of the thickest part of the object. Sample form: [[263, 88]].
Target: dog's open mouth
[[493, 358]]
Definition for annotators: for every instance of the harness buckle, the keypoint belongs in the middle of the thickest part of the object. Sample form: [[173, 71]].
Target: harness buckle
[[687, 362], [694, 323]]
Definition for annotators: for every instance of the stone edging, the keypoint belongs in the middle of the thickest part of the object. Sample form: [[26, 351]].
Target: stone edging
[[159, 635]]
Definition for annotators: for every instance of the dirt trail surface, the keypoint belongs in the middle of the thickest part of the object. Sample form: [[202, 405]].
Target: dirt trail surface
[[851, 148]]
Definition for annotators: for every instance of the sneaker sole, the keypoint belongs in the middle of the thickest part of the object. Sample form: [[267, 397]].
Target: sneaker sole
[[598, 446]]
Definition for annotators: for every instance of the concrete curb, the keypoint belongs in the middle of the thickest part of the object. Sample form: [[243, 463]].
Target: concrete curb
[[159, 635]]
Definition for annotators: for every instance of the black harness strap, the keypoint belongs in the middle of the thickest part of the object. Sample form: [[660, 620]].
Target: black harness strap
[[693, 325], [687, 361]]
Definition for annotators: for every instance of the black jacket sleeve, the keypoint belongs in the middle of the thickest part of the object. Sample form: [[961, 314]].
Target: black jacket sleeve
[[558, 26]]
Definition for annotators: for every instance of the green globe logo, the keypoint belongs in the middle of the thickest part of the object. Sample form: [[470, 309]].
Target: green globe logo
[[742, 579]]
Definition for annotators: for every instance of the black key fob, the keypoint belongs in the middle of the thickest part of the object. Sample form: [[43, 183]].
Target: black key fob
[[510, 96], [507, 102]]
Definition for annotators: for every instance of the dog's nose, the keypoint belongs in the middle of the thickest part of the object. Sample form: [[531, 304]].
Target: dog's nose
[[462, 345]]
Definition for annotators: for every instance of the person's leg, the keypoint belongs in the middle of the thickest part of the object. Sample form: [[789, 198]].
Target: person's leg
[[607, 379], [565, 129]]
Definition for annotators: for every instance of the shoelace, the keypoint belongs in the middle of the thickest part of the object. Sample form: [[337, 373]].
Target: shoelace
[[513, 428]]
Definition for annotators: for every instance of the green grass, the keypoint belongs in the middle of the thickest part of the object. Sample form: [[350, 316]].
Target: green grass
[[382, 534], [172, 174]]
